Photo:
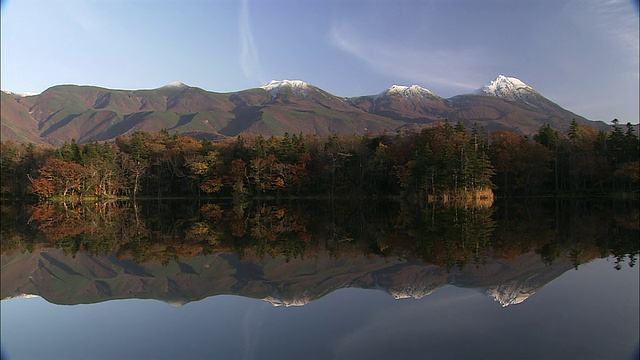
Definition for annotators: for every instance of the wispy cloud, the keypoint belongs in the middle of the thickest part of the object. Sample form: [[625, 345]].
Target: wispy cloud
[[615, 19], [249, 59], [411, 63]]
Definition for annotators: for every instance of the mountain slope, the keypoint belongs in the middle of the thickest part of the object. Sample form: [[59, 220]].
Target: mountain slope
[[90, 113], [87, 113], [413, 104], [16, 122], [294, 106]]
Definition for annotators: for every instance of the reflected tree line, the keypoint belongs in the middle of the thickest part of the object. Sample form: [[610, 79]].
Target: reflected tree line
[[443, 161], [446, 236]]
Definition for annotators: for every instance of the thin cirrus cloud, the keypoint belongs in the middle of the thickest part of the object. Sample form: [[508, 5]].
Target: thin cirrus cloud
[[617, 19], [408, 63], [249, 58]]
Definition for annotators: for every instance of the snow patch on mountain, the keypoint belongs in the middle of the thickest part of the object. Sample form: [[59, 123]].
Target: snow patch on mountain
[[410, 293], [177, 303], [24, 296], [176, 84], [415, 289], [24, 94], [511, 292], [298, 87], [414, 94], [299, 299]]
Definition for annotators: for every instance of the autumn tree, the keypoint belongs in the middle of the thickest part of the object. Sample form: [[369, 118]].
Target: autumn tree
[[59, 178]]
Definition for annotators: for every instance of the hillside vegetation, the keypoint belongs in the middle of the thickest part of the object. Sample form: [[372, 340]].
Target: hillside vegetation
[[443, 162]]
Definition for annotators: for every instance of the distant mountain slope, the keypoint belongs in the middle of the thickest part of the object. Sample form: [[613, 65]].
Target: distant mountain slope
[[296, 107], [86, 113]]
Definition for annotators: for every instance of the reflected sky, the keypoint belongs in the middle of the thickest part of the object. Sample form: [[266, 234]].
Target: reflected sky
[[588, 313]]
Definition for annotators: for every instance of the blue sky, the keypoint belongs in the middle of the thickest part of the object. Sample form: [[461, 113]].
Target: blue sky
[[582, 54]]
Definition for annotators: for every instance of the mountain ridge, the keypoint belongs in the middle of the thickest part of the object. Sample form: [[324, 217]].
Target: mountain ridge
[[92, 113]]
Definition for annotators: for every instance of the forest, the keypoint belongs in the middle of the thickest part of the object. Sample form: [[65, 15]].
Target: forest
[[445, 161]]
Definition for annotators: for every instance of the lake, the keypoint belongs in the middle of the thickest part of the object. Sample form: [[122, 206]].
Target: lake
[[552, 279]]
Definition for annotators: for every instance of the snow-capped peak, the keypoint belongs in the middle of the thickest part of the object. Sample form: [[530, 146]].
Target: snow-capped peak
[[508, 88], [413, 91], [298, 87], [175, 84]]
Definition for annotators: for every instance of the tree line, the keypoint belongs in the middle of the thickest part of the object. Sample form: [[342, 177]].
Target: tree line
[[442, 161]]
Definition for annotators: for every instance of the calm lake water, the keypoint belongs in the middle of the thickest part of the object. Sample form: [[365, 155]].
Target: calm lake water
[[189, 280]]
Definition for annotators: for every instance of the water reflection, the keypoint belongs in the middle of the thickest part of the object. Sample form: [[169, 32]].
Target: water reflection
[[293, 253]]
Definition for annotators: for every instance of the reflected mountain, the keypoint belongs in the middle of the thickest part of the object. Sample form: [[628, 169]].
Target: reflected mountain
[[63, 279], [290, 255]]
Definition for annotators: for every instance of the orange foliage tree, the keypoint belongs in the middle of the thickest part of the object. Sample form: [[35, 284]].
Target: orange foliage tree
[[59, 178]]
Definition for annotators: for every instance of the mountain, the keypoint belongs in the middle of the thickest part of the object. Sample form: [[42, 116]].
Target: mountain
[[294, 106], [87, 113], [510, 88], [410, 104], [82, 279], [505, 103], [517, 92]]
